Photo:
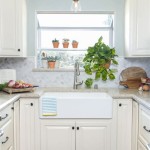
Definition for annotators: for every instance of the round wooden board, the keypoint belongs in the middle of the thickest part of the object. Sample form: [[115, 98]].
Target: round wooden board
[[133, 73]]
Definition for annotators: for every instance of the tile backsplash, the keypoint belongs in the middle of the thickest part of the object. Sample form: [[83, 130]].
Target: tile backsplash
[[24, 71]]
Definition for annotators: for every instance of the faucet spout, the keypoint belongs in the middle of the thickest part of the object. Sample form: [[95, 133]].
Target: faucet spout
[[76, 74]]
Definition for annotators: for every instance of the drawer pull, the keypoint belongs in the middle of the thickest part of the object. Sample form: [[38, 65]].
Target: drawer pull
[[1, 133], [148, 146], [7, 138], [146, 129], [1, 118]]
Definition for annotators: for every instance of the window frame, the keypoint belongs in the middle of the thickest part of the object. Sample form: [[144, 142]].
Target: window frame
[[38, 32]]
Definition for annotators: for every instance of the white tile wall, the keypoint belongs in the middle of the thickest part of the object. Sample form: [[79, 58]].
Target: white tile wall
[[24, 68]]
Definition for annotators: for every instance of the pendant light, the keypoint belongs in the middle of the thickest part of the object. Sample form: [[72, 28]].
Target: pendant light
[[76, 5]]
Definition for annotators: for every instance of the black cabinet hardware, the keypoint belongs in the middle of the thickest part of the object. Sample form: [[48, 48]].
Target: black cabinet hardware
[[77, 128], [31, 104], [7, 138], [120, 104], [72, 128], [146, 129], [1, 118], [18, 50]]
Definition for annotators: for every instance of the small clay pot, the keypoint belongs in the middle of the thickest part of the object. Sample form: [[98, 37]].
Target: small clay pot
[[65, 45], [51, 64], [75, 45], [55, 44]]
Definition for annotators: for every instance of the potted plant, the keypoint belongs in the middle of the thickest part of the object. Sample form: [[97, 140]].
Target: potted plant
[[74, 44], [55, 43], [51, 61], [97, 61], [65, 43]]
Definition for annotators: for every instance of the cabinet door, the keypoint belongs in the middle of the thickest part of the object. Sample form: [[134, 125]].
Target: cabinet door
[[8, 37], [124, 124], [57, 135], [93, 135], [141, 146], [137, 27], [27, 124]]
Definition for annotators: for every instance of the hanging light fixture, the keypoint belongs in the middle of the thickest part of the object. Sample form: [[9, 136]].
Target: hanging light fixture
[[76, 5]]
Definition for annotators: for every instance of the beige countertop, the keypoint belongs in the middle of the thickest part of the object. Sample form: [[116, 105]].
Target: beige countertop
[[139, 96]]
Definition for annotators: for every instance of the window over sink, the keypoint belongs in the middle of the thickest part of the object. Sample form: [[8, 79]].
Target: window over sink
[[83, 27]]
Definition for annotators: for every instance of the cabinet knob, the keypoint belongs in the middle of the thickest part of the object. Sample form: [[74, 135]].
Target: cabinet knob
[[18, 50], [78, 128], [72, 128], [120, 104], [31, 104]]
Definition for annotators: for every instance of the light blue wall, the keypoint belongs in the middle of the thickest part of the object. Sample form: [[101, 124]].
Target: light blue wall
[[87, 5]]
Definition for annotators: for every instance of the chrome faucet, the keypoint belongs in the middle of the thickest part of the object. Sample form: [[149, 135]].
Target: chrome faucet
[[76, 74]]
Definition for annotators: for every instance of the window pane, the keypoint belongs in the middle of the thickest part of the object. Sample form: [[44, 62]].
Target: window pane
[[85, 38], [75, 20]]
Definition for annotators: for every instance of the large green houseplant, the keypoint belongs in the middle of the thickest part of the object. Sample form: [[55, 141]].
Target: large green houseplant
[[97, 61]]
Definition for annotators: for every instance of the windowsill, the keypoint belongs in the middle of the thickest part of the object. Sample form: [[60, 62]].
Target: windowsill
[[54, 70]]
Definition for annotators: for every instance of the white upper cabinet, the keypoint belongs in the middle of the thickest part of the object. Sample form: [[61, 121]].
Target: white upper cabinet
[[12, 28], [137, 28]]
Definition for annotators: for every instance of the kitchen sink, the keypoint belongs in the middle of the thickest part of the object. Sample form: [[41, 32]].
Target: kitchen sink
[[75, 105]]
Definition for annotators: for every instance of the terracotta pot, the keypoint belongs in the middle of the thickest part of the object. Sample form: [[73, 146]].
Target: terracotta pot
[[65, 45], [51, 64], [107, 65], [55, 44], [75, 45]]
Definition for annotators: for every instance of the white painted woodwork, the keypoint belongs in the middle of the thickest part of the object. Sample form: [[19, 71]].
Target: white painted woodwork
[[137, 28], [124, 124], [27, 124], [17, 125], [144, 120], [93, 135], [135, 122], [141, 146], [6, 114], [12, 28], [57, 135], [8, 132]]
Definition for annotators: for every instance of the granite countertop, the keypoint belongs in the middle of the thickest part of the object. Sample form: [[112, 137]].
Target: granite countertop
[[117, 93]]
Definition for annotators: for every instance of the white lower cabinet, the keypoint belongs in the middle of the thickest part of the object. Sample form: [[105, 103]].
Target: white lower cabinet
[[75, 135], [93, 135], [124, 124], [57, 135], [6, 129], [27, 124]]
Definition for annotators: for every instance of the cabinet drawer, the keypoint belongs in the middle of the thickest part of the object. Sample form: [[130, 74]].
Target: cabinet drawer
[[5, 115], [144, 125], [6, 140]]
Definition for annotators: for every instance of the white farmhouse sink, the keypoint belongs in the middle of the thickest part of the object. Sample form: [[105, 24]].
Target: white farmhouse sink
[[75, 105]]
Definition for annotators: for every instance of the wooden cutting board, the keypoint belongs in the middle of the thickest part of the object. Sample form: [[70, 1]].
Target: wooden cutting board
[[13, 90], [133, 73], [131, 83]]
